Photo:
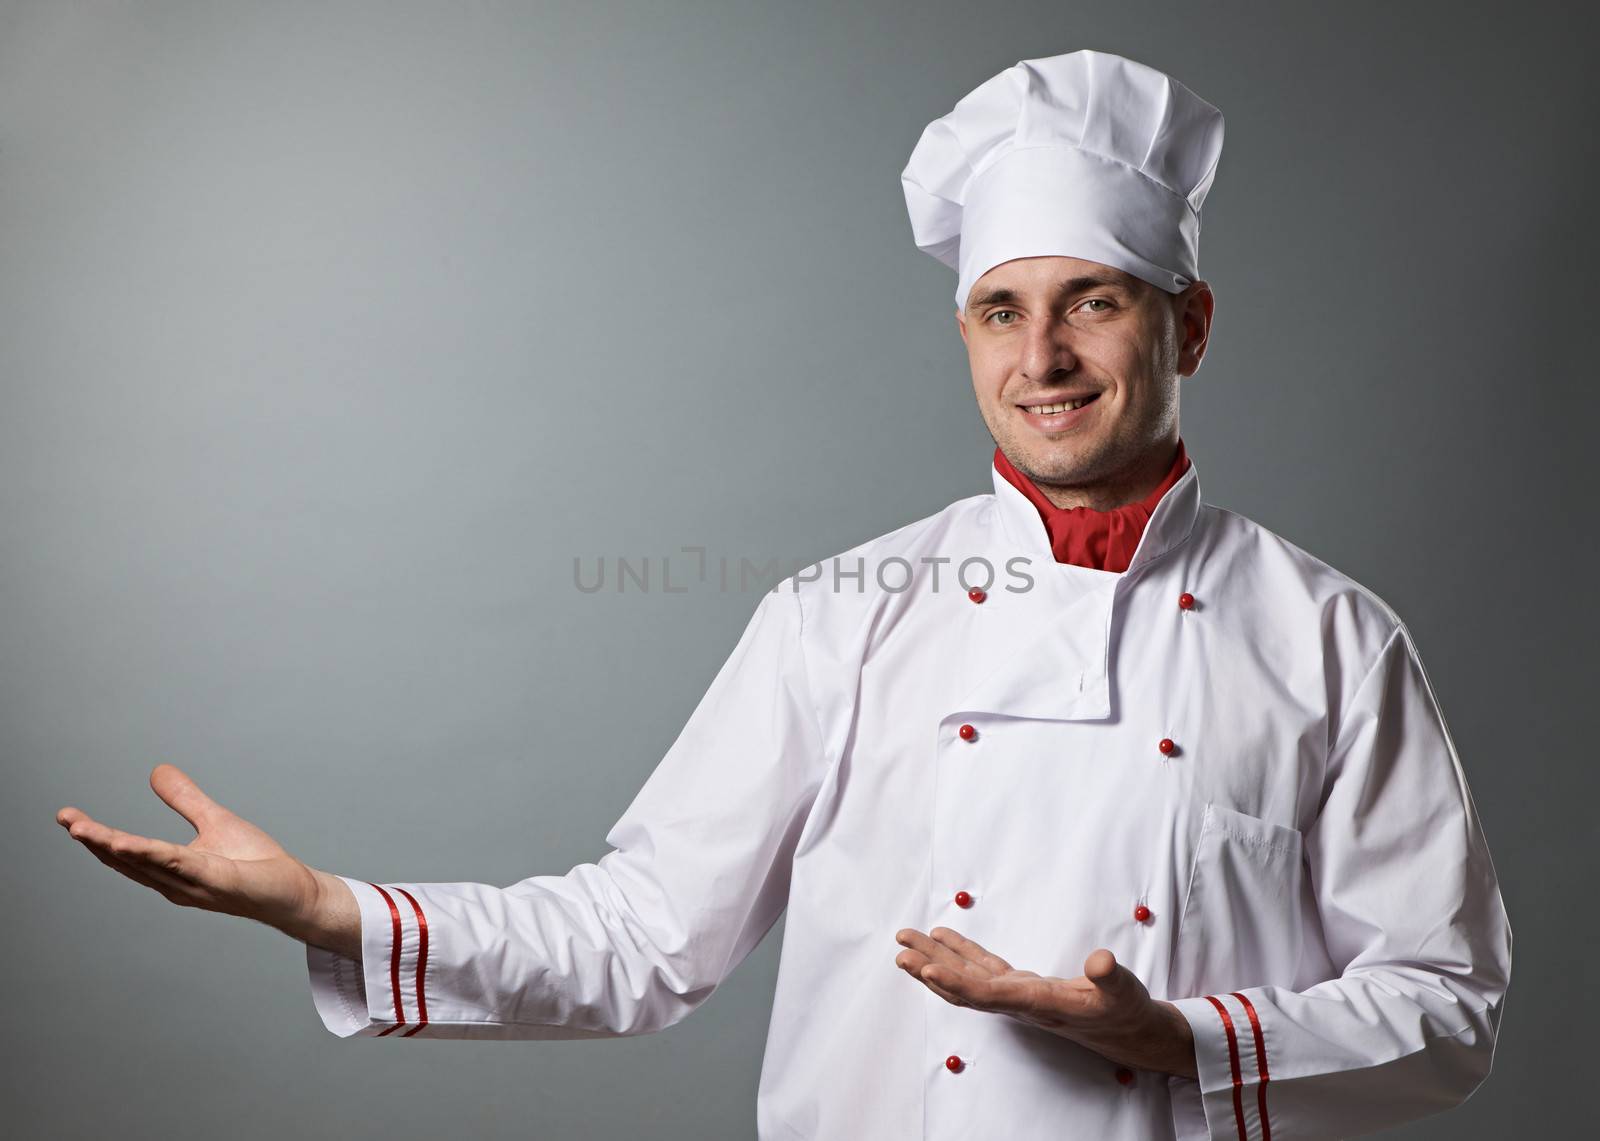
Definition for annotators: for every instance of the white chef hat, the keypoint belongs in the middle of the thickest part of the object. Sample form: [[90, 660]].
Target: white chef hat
[[1085, 155]]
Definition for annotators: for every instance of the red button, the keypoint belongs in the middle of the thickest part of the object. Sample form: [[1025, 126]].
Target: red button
[[1186, 600], [1141, 913], [1125, 1075], [963, 899], [953, 1063], [967, 732], [976, 595], [1166, 745]]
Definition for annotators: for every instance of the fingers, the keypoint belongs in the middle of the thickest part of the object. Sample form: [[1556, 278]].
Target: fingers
[[928, 948], [149, 856], [970, 950], [1016, 996], [916, 964], [173, 889], [949, 996], [182, 795], [937, 951]]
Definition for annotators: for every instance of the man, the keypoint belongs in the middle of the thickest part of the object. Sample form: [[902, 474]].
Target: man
[[1155, 812]]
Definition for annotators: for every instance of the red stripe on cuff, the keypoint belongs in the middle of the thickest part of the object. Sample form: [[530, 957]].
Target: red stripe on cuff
[[1261, 1064], [394, 959], [1233, 1061], [422, 962]]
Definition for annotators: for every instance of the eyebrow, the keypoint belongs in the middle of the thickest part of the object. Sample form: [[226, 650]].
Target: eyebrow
[[1065, 289]]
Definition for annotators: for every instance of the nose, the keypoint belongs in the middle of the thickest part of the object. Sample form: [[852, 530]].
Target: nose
[[1048, 351]]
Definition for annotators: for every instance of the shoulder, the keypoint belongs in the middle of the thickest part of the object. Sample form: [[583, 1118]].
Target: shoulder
[[1298, 589]]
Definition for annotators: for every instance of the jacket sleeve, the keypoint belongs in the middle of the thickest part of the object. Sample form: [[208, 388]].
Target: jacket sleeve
[[1411, 916], [697, 875]]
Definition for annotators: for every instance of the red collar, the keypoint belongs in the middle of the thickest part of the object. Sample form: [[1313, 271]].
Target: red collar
[[1104, 540]]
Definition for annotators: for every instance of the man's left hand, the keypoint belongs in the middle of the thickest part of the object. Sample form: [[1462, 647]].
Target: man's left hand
[[1106, 1009]]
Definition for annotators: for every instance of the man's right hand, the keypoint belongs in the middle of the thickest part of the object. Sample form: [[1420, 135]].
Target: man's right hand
[[231, 866]]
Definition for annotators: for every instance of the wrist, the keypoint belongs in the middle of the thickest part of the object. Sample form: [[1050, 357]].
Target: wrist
[[330, 918], [1176, 1037]]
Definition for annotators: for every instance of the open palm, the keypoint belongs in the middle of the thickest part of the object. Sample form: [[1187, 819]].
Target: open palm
[[230, 866], [1107, 1008], [965, 973]]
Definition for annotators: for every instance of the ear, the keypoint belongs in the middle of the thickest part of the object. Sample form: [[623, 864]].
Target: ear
[[961, 323], [1193, 312]]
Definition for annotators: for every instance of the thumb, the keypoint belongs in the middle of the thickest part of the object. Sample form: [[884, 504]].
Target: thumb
[[1101, 969], [182, 795]]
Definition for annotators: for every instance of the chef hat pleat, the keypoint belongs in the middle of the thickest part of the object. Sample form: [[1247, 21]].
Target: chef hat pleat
[[1087, 155]]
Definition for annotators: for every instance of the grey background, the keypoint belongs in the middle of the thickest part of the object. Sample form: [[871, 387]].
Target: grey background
[[331, 335]]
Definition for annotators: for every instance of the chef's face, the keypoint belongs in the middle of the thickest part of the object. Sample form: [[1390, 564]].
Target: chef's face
[[1046, 334]]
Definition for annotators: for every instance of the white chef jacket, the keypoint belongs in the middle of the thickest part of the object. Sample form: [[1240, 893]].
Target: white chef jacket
[[1251, 799]]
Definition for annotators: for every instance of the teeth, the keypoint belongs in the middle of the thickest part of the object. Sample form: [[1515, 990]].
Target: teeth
[[1050, 409]]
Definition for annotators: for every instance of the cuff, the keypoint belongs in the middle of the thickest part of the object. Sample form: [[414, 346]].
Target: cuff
[[383, 993], [338, 991], [1230, 1058]]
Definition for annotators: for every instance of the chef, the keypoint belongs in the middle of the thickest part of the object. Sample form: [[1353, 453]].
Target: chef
[[1097, 810]]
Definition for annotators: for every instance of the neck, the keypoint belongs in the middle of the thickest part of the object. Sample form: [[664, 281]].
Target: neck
[[1104, 538], [1129, 486]]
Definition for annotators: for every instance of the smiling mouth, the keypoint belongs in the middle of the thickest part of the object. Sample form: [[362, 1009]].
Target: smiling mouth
[[1062, 406]]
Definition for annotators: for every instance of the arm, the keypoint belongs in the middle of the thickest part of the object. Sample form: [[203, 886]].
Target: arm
[[630, 944], [1412, 915]]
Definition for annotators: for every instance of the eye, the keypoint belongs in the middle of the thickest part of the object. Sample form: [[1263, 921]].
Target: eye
[[1099, 301], [997, 313]]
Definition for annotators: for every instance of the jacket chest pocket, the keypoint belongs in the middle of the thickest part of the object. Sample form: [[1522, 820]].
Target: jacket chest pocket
[[1242, 923]]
